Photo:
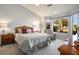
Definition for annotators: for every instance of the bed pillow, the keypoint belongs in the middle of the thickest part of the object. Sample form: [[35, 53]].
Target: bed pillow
[[29, 30], [24, 29], [19, 30], [32, 30]]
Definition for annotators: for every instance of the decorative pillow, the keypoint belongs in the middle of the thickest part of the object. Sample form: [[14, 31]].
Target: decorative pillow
[[19, 30], [35, 29], [24, 29], [32, 29], [29, 30]]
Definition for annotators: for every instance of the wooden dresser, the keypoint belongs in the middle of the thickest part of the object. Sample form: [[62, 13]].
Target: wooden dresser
[[7, 39], [68, 50]]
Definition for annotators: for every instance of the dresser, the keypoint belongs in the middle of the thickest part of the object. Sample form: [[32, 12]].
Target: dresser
[[7, 39]]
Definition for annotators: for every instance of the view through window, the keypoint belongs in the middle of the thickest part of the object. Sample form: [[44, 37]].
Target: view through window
[[61, 25], [75, 27]]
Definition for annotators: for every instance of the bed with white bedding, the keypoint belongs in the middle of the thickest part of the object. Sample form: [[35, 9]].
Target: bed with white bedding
[[30, 41]]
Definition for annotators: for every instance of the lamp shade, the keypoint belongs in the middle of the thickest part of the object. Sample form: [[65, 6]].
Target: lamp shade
[[3, 25]]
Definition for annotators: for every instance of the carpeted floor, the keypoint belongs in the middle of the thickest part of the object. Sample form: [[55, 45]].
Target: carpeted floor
[[51, 49]]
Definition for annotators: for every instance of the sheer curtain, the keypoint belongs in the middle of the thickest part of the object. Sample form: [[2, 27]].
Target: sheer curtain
[[75, 20]]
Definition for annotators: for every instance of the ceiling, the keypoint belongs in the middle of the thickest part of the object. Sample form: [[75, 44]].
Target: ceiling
[[43, 9]]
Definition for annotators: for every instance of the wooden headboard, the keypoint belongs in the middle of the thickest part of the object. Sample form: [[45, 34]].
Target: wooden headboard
[[23, 29], [16, 29]]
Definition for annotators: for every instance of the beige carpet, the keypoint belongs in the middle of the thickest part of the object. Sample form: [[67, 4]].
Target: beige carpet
[[51, 49]]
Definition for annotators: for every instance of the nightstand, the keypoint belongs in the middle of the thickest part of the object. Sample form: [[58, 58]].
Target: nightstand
[[68, 50], [7, 39]]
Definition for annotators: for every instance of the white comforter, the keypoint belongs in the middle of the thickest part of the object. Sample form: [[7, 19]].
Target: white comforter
[[29, 40]]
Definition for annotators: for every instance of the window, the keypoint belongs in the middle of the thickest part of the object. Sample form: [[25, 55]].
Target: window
[[75, 27], [74, 23], [61, 25]]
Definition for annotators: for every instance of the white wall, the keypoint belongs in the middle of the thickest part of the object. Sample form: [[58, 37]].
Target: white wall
[[62, 36], [17, 15]]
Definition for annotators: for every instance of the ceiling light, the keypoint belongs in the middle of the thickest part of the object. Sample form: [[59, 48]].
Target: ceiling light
[[37, 4]]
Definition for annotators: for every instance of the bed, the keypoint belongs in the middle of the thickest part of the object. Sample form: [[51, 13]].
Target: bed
[[28, 42]]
